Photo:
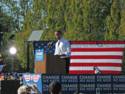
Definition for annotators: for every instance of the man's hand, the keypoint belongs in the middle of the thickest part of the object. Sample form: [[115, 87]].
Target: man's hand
[[64, 56]]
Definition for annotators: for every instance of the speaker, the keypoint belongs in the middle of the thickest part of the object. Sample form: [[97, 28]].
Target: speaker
[[9, 86]]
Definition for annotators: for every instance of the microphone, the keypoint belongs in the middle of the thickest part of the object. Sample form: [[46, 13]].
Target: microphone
[[50, 44]]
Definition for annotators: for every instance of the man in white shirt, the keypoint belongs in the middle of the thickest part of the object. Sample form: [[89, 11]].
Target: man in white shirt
[[62, 48]]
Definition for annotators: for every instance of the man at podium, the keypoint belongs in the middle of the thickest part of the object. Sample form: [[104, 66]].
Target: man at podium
[[62, 48], [57, 63]]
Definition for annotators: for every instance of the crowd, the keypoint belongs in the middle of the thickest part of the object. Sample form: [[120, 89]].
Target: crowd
[[54, 88], [11, 76]]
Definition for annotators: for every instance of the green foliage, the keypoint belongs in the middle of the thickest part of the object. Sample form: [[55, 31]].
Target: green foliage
[[113, 21]]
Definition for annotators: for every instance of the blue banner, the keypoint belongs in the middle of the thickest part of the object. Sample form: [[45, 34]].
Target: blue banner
[[87, 84], [39, 55]]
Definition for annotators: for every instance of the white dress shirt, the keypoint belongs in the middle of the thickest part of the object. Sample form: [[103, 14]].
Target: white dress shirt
[[62, 47]]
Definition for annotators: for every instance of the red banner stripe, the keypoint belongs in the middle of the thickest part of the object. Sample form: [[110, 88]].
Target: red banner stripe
[[96, 57], [95, 49], [96, 64], [93, 72], [81, 72]]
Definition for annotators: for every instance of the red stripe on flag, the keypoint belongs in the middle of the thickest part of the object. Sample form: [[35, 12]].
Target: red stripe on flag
[[95, 49], [110, 72], [97, 42], [96, 64], [96, 57], [81, 72], [92, 72]]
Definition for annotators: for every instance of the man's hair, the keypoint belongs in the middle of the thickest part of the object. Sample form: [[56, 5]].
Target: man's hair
[[22, 89], [54, 87], [59, 31], [26, 89]]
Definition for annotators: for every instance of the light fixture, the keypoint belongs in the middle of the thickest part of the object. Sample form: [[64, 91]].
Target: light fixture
[[12, 50]]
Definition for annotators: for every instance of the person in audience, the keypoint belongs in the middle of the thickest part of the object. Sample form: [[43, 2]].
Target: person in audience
[[35, 89], [54, 88], [22, 90], [28, 89]]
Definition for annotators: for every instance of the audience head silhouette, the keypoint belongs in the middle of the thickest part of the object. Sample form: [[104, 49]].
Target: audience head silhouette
[[54, 87]]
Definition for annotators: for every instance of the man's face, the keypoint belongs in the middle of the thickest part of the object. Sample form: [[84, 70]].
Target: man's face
[[58, 35]]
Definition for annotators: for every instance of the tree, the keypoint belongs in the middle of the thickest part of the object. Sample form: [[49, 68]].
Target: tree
[[113, 21]]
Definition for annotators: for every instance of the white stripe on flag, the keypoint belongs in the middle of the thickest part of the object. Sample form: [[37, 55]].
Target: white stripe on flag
[[91, 68], [96, 61], [98, 46], [97, 53]]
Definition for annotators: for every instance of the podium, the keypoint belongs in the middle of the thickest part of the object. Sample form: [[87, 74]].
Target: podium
[[51, 65]]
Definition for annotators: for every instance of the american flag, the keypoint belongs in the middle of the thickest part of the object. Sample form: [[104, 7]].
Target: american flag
[[106, 56]]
